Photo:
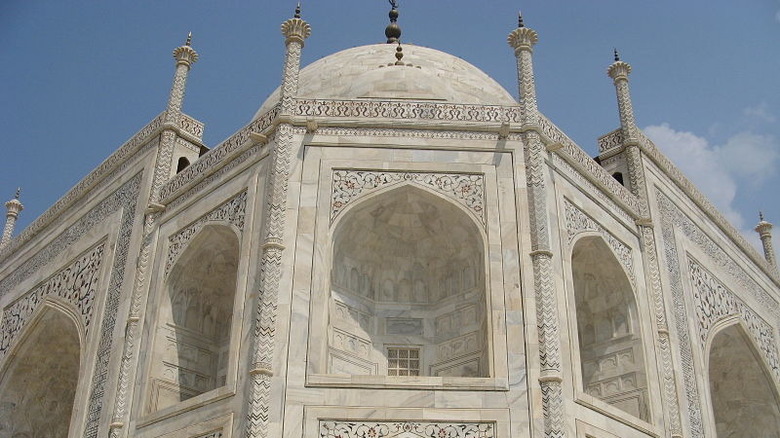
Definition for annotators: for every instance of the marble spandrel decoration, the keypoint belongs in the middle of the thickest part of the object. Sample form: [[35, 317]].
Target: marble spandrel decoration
[[75, 284], [468, 189], [713, 302], [373, 429]]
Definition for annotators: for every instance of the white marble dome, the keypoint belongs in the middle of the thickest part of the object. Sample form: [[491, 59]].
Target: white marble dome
[[363, 73]]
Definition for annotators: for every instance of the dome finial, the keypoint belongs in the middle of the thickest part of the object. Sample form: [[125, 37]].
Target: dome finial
[[393, 31], [520, 23], [189, 40], [297, 10], [18, 192], [399, 54], [617, 55], [761, 216]]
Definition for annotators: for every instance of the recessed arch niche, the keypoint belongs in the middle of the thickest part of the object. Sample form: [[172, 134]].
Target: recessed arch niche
[[744, 397], [408, 295], [39, 383], [610, 344], [192, 348]]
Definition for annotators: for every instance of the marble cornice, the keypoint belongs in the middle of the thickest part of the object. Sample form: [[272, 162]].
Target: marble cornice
[[674, 174], [101, 174]]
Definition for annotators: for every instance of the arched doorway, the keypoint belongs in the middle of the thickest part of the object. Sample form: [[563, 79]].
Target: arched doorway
[[39, 383], [192, 348], [744, 400], [610, 342], [408, 293]]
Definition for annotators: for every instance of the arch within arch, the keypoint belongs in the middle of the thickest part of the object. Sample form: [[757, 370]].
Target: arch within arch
[[196, 310], [408, 295], [610, 343], [744, 399], [38, 386]]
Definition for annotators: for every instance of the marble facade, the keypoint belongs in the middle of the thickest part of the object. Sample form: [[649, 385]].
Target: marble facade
[[387, 250]]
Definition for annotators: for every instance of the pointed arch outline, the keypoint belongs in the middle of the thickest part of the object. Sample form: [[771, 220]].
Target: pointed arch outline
[[753, 343], [586, 234], [365, 197], [637, 322], [49, 304], [737, 322], [475, 227], [388, 179], [58, 306]]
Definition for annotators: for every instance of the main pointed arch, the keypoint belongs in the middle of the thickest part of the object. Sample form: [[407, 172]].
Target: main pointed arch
[[744, 397], [610, 342], [408, 290], [39, 382]]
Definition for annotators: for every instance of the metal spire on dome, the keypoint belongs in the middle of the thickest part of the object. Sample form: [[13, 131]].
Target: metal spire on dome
[[19, 192], [188, 43], [297, 11], [520, 23], [393, 31], [617, 55], [399, 54]]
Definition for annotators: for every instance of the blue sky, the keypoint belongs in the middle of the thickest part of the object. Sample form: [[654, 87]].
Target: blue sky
[[80, 77]]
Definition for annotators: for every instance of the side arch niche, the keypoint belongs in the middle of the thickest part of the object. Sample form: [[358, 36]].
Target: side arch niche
[[407, 292], [40, 379], [610, 344], [744, 397], [192, 346]]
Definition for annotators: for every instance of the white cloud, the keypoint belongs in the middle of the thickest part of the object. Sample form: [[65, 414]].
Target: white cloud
[[702, 163], [750, 156], [759, 113], [744, 160]]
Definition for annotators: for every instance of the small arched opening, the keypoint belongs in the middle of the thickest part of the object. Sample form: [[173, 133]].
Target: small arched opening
[[182, 164], [408, 295], [39, 383], [744, 399], [193, 334], [610, 344]]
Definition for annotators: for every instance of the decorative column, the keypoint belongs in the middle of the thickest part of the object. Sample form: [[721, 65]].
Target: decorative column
[[185, 56], [619, 72], [764, 230], [295, 31], [522, 41], [13, 208]]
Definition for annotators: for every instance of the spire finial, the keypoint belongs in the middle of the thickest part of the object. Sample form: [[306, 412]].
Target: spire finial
[[617, 55], [761, 216], [399, 54], [18, 192], [393, 31], [298, 10], [520, 23], [189, 40]]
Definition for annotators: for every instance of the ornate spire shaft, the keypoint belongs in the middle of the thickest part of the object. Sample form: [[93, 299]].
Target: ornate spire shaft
[[619, 72], [764, 230], [523, 40], [13, 208], [295, 31], [185, 56]]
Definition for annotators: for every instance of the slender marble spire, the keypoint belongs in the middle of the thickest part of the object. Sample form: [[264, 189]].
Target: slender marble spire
[[764, 230], [13, 207]]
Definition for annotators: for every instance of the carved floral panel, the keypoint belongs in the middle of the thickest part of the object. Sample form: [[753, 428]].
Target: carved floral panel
[[577, 222], [233, 212], [465, 188], [76, 284], [402, 429], [713, 302]]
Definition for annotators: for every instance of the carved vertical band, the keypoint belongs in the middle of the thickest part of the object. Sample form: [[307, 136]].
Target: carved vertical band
[[295, 31], [668, 379], [184, 56]]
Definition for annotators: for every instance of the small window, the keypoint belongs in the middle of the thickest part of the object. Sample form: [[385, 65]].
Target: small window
[[403, 361], [183, 163], [619, 177]]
